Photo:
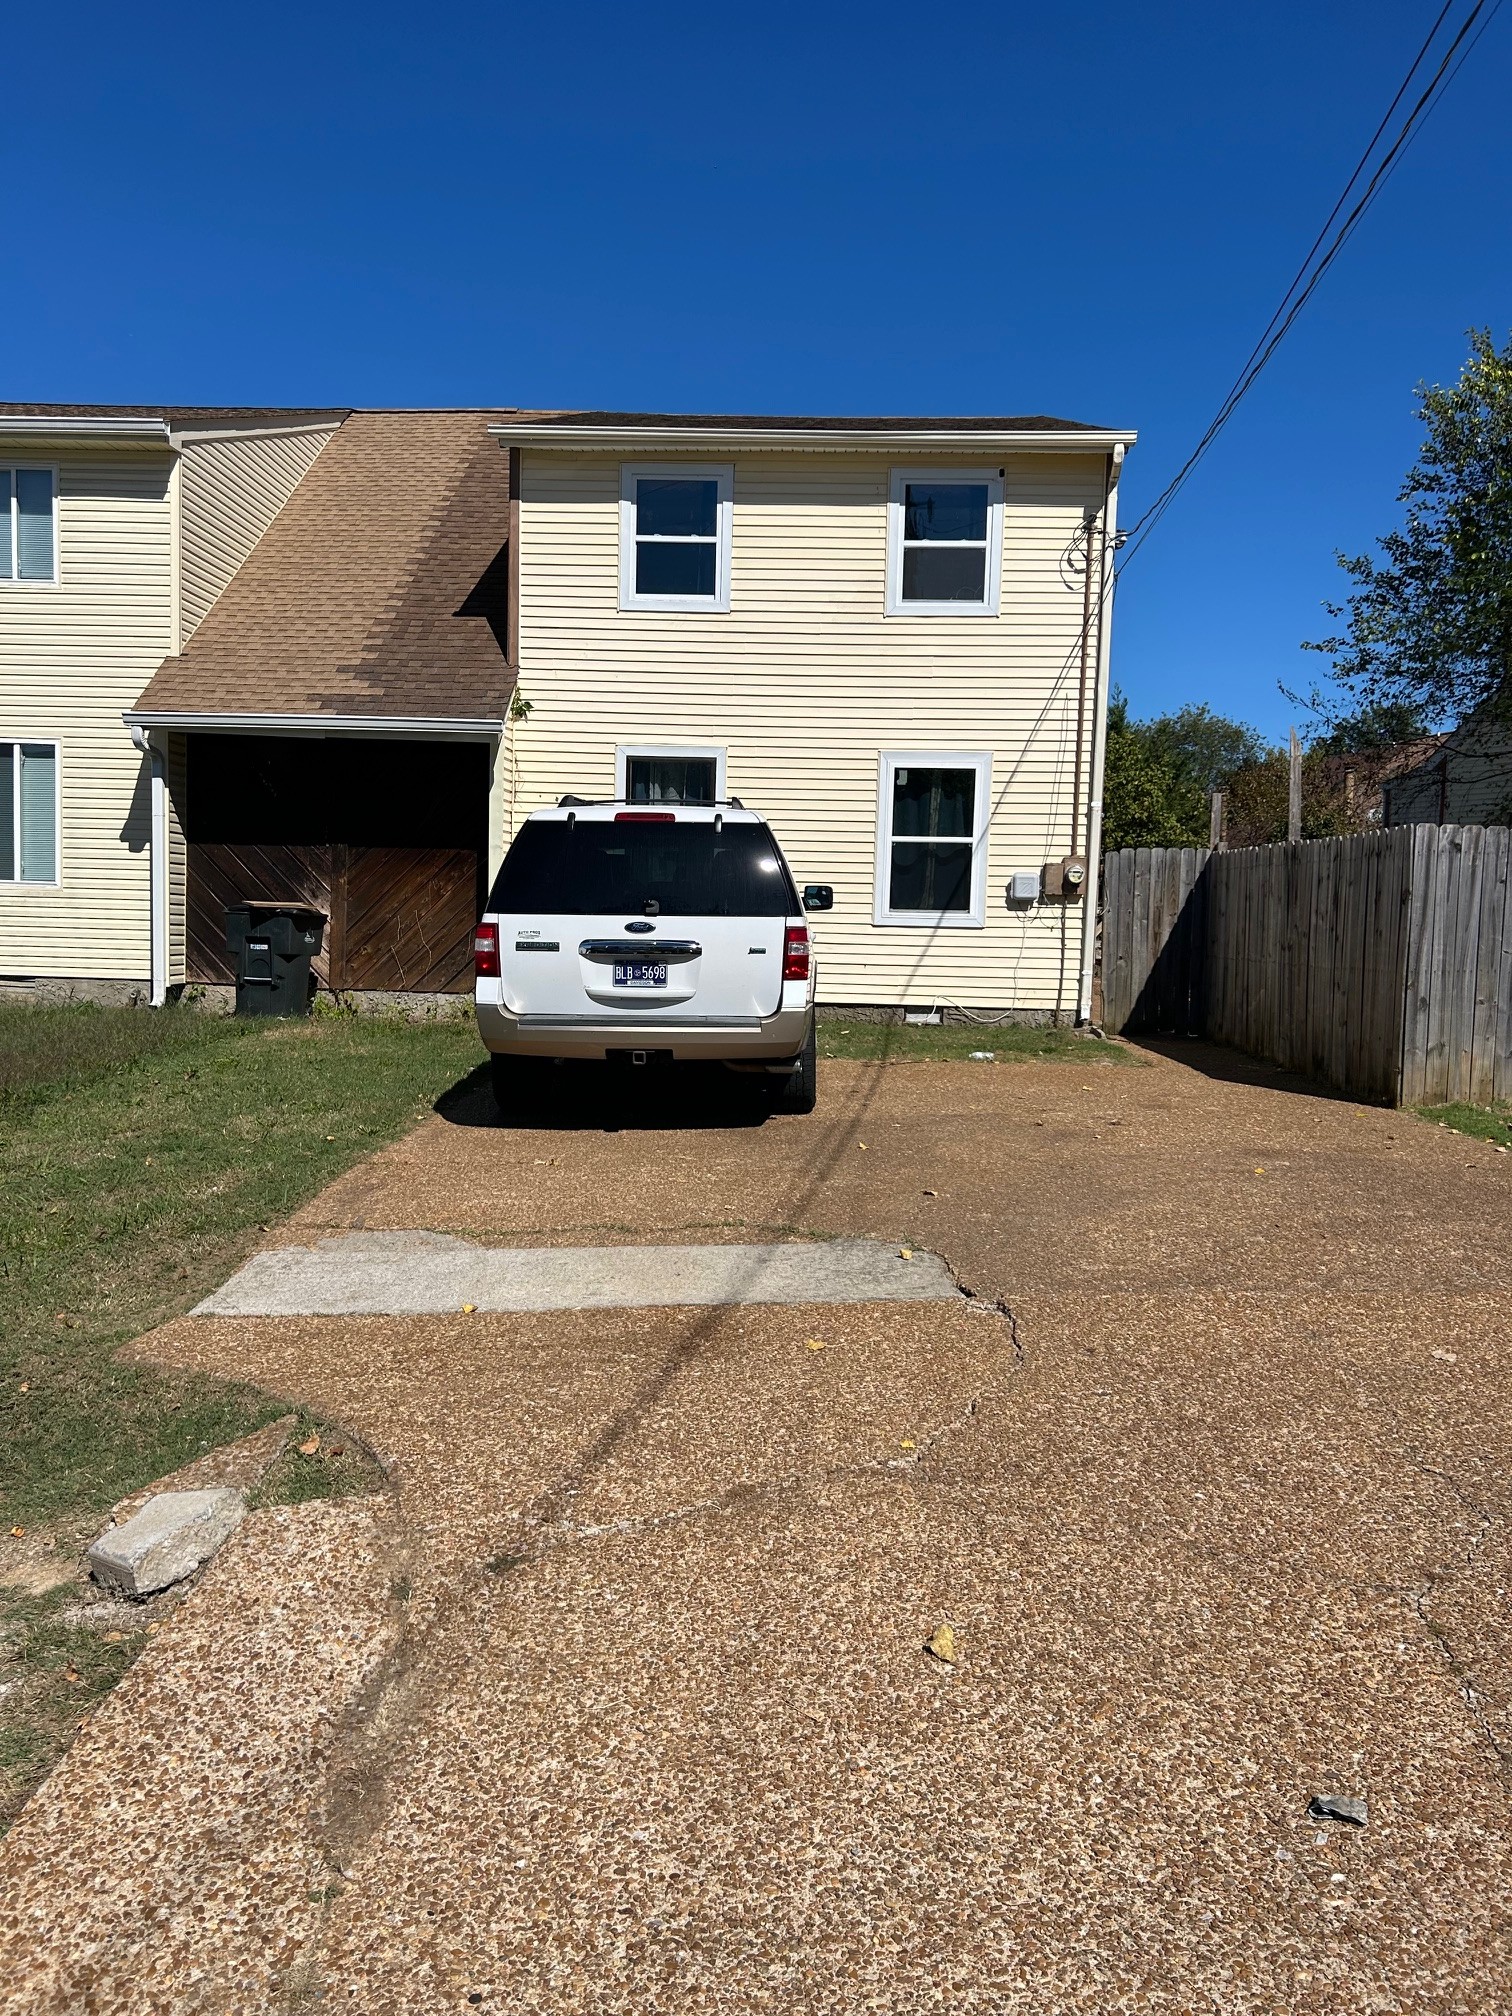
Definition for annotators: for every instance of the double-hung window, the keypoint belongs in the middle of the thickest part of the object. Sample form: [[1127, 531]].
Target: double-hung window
[[28, 533], [932, 837], [675, 523], [28, 811], [944, 542]]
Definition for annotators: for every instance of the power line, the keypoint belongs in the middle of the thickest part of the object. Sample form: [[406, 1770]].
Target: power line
[[1298, 294]]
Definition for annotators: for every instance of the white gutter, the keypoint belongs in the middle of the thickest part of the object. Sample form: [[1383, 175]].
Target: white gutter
[[70, 427], [416, 727], [938, 440], [1099, 743], [157, 870]]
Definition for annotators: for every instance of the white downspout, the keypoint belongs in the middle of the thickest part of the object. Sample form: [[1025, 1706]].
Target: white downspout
[[157, 869], [1099, 741]]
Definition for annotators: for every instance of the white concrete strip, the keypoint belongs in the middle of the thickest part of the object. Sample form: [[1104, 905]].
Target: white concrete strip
[[434, 1273]]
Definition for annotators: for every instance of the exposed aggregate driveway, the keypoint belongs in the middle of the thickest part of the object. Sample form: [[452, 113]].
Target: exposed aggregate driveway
[[624, 1705]]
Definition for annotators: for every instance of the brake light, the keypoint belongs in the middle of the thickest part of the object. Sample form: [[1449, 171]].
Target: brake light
[[645, 818], [795, 953], [486, 951]]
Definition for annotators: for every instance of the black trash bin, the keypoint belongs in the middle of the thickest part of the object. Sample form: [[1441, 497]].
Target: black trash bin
[[273, 944]]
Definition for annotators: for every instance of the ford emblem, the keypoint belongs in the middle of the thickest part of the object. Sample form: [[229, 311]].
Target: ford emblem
[[640, 924]]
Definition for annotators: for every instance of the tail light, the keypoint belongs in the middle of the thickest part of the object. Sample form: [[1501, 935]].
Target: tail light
[[486, 951], [795, 953]]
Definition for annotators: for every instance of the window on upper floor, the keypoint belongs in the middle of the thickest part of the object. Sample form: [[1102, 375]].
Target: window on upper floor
[[28, 811], [932, 837], [28, 536], [944, 542], [675, 521]]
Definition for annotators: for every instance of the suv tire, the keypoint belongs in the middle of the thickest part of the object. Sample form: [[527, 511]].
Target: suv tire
[[513, 1081], [800, 1091]]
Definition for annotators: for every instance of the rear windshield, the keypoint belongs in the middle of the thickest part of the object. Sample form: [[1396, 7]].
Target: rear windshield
[[594, 866]]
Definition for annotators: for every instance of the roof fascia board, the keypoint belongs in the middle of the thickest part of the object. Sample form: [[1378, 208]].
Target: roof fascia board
[[183, 434], [123, 427], [937, 440], [413, 727]]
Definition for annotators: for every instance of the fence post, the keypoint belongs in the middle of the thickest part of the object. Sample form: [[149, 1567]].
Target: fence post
[[1294, 791]]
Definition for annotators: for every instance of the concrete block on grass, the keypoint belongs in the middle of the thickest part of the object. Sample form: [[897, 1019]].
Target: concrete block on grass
[[173, 1534]]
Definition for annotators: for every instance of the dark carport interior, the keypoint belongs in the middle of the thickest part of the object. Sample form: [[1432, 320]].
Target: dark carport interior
[[387, 837]]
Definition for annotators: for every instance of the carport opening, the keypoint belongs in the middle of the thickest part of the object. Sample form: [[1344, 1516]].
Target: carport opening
[[388, 837]]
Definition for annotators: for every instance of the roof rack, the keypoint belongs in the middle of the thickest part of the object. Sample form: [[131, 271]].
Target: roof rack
[[711, 804]]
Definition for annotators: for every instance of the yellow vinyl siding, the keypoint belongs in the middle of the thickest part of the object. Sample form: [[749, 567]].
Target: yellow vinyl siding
[[178, 860], [231, 488], [71, 658], [806, 681]]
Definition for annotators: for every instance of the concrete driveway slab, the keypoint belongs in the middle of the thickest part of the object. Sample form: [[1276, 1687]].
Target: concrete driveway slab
[[435, 1274], [1211, 1481]]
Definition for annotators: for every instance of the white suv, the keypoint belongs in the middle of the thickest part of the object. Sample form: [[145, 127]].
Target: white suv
[[619, 932]]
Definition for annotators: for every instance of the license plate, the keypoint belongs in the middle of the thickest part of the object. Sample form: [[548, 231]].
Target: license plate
[[639, 973]]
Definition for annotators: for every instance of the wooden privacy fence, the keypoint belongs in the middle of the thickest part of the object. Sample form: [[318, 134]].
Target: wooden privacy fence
[[1380, 964]]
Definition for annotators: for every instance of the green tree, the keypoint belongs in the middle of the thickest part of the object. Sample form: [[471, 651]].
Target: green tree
[[1379, 725], [1204, 747], [1429, 624], [1258, 796], [1148, 801]]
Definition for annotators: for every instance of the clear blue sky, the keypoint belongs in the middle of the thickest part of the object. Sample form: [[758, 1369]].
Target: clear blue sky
[[1085, 210]]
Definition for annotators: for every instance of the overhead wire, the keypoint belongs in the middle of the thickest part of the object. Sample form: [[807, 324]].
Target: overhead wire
[[1313, 267]]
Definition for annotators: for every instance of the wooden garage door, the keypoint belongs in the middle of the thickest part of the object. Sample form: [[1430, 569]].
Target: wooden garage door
[[400, 919], [409, 915]]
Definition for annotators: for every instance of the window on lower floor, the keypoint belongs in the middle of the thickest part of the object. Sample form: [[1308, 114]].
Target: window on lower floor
[[670, 776], [28, 533], [28, 811], [931, 841]]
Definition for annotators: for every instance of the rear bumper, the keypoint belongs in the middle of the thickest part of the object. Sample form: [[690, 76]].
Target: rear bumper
[[774, 1039]]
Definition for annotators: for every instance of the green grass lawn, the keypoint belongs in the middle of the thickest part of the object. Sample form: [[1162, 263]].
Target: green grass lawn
[[141, 1154], [1486, 1123], [893, 1042]]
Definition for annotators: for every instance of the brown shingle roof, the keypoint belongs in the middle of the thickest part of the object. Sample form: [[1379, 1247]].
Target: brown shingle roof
[[177, 416], [816, 423], [378, 589]]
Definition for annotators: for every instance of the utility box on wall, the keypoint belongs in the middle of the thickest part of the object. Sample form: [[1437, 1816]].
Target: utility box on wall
[[1065, 879]]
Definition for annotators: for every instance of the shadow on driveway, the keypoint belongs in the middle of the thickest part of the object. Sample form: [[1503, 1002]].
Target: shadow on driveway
[[616, 1098]]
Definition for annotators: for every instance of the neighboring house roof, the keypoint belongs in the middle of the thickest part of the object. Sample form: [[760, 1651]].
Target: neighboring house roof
[[378, 590], [1466, 781], [1362, 776]]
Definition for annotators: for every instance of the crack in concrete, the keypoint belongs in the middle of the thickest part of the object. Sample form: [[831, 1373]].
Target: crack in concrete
[[1419, 1601]]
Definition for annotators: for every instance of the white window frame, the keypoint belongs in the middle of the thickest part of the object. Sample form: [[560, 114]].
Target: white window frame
[[979, 760], [677, 752], [12, 525], [721, 473], [14, 741], [900, 478]]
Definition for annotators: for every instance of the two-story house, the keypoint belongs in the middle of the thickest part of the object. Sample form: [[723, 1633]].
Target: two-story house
[[890, 636]]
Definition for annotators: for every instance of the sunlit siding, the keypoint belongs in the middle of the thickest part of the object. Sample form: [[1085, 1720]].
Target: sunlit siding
[[178, 860], [805, 681], [231, 489], [72, 656]]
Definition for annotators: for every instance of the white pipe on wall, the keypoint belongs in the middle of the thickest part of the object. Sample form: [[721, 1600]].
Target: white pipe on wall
[[1099, 743], [157, 870]]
